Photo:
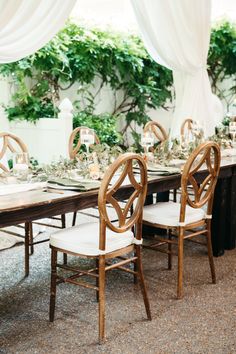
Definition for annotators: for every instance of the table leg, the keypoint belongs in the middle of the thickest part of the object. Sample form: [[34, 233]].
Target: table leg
[[220, 206], [27, 237], [230, 235]]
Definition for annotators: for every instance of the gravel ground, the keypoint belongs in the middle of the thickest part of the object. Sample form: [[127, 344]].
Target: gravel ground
[[203, 322]]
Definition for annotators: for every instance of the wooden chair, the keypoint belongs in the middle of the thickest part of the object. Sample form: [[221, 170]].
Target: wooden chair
[[157, 130], [185, 218], [13, 144], [161, 136], [186, 128], [74, 149], [106, 241]]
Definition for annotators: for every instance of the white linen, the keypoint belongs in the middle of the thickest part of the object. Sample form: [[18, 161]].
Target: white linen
[[84, 239], [167, 213], [27, 25], [23, 187], [177, 34], [228, 152]]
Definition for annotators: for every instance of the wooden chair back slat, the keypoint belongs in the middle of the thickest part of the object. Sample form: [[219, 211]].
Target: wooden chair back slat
[[157, 130], [73, 150], [8, 140], [206, 155], [107, 195], [186, 128]]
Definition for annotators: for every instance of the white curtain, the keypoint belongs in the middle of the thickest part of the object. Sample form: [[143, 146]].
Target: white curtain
[[177, 34], [27, 25]]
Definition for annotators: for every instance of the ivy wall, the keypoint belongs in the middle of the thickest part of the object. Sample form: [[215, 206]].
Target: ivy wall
[[91, 60]]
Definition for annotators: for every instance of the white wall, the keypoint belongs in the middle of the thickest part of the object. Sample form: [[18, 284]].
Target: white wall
[[47, 140]]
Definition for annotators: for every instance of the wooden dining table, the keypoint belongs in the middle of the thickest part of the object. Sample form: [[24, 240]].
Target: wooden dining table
[[33, 205]]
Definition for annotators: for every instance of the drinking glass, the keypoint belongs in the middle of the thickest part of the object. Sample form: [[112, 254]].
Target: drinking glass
[[87, 137], [147, 141], [196, 128], [232, 132], [21, 165]]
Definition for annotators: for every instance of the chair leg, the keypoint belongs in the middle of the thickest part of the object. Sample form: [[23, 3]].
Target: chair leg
[[135, 275], [27, 238], [210, 255], [31, 238], [180, 263], [175, 195], [142, 282], [169, 250], [74, 218], [53, 284], [97, 279], [63, 226], [63, 221], [101, 299]]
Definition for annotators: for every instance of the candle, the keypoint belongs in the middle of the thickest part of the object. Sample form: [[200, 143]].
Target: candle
[[20, 170], [87, 138], [20, 167], [94, 171]]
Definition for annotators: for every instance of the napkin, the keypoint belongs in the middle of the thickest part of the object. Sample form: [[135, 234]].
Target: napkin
[[162, 170], [72, 184]]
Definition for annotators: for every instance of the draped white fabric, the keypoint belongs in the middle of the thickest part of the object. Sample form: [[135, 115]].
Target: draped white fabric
[[27, 25], [177, 34]]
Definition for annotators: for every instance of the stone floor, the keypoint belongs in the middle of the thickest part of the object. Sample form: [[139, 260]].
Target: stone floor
[[203, 322]]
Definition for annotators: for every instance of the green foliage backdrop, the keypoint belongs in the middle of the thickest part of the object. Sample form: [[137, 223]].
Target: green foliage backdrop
[[81, 55]]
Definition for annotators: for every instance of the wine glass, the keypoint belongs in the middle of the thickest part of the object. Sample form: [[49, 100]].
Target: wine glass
[[21, 165], [147, 140], [196, 128], [87, 137], [232, 132]]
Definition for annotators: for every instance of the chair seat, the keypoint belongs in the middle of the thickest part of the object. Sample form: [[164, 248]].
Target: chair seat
[[84, 239], [167, 213]]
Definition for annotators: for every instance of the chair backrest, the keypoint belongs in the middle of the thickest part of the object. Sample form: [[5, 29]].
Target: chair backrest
[[107, 195], [157, 130], [186, 128], [73, 150], [207, 157], [9, 142]]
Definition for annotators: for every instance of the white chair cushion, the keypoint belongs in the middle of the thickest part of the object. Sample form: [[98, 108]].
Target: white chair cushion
[[84, 239], [167, 213]]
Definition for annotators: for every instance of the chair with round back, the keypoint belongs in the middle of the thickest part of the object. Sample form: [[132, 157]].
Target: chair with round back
[[157, 130], [13, 144], [10, 143], [73, 150], [185, 218], [106, 241]]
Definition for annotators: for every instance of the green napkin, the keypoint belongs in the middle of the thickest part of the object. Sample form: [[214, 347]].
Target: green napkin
[[72, 184], [163, 170], [159, 170]]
